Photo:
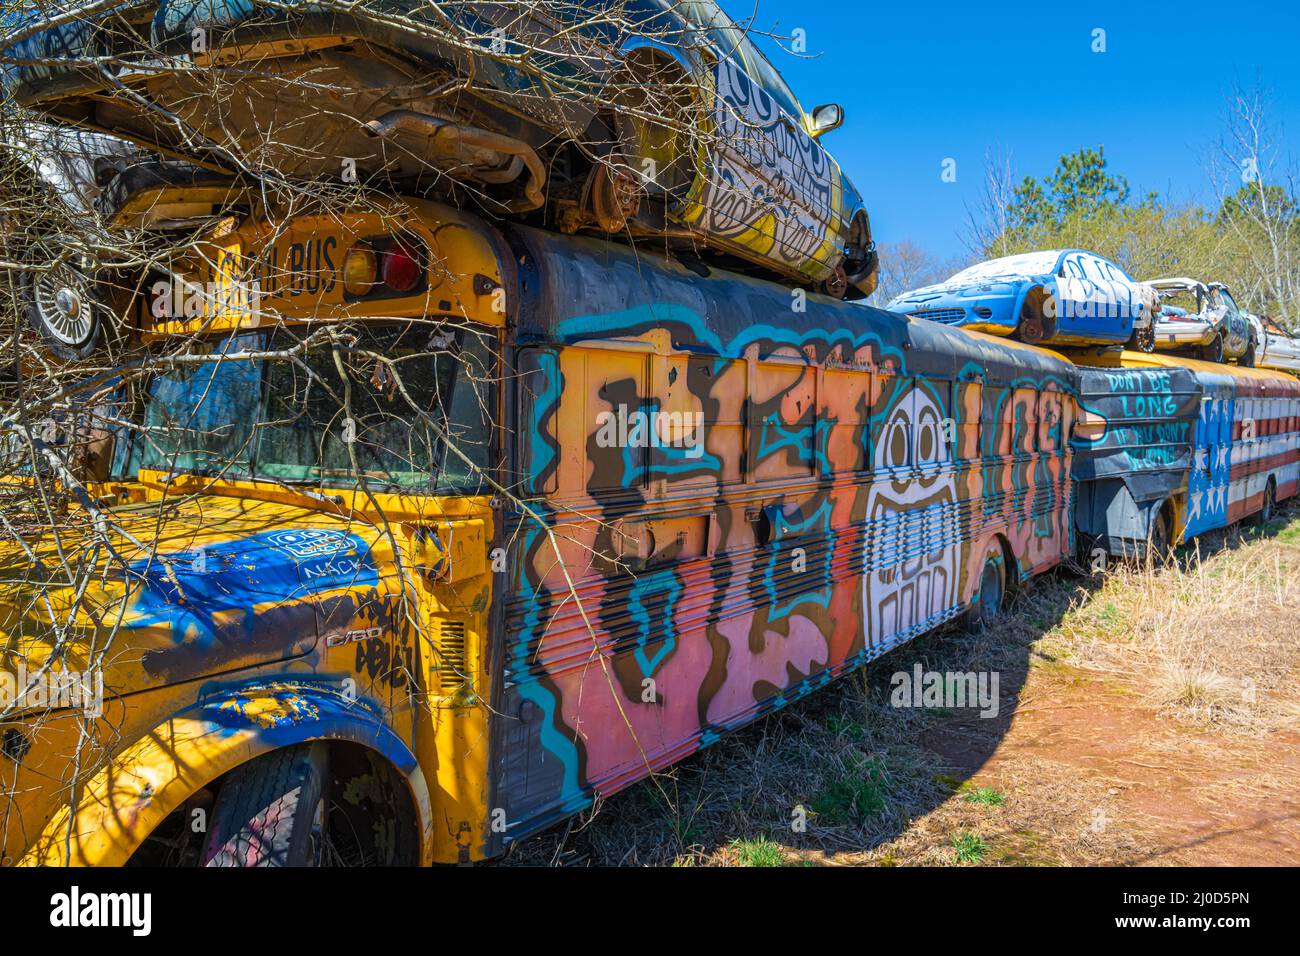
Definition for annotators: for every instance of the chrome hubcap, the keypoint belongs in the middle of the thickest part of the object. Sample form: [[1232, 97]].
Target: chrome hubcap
[[62, 306]]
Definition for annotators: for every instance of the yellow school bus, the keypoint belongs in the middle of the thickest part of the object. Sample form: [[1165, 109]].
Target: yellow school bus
[[435, 531]]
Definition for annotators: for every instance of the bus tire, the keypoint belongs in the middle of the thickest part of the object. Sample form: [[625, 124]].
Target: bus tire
[[989, 596], [1159, 544], [270, 811], [1268, 509]]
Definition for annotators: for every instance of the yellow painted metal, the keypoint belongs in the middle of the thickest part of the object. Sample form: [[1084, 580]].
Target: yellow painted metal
[[90, 789], [125, 770], [451, 720], [267, 272], [113, 809]]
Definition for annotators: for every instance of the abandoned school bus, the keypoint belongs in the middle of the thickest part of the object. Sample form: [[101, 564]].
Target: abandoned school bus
[[450, 528], [1169, 448]]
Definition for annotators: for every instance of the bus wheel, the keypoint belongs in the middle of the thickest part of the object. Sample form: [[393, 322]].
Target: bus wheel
[[1214, 351], [1158, 547], [1269, 508], [988, 599], [271, 811]]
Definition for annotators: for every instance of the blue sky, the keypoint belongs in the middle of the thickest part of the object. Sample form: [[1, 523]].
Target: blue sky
[[924, 80]]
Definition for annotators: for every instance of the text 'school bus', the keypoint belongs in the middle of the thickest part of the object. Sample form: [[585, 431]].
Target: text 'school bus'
[[1168, 448], [611, 510]]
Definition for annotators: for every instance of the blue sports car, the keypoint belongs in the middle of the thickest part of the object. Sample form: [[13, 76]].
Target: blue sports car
[[1065, 297]]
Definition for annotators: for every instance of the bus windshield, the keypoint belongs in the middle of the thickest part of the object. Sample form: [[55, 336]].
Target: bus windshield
[[390, 406]]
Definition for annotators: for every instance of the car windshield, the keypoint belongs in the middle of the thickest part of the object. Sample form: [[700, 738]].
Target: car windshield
[[382, 407], [1027, 264], [1185, 301], [1226, 300]]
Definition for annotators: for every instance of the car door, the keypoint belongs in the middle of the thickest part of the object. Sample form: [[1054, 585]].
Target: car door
[[771, 187], [1284, 347], [1083, 291], [1277, 347], [1236, 328], [1128, 302]]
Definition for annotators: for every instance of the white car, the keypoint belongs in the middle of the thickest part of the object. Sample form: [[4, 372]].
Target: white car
[[1202, 317], [1278, 348]]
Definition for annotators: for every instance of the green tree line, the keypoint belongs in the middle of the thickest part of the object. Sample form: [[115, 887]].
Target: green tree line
[[1250, 240]]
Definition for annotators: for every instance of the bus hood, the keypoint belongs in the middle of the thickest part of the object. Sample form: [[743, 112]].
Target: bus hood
[[175, 592]]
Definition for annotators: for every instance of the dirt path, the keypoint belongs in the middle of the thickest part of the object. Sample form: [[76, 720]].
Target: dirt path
[[1190, 796]]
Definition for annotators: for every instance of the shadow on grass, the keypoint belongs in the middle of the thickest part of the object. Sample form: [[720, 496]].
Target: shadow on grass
[[848, 769]]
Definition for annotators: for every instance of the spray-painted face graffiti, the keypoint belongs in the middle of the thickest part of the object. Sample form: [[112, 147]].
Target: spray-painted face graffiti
[[904, 591]]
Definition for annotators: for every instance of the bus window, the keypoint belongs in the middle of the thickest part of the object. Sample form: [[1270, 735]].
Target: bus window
[[995, 421], [967, 409], [1025, 421], [782, 419], [845, 402], [616, 430], [1050, 422], [892, 423], [700, 439], [200, 418], [540, 386], [421, 412], [931, 441]]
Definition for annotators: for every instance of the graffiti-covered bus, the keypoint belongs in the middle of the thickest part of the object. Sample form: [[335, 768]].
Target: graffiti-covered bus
[[1169, 448], [438, 531]]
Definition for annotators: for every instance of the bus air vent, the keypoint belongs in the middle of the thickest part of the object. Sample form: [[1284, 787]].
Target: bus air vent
[[450, 642]]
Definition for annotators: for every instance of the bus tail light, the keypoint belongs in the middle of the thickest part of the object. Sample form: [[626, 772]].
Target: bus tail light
[[360, 270], [402, 267], [385, 267]]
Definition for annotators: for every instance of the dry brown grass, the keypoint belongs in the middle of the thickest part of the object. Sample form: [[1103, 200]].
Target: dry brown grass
[[1214, 639], [1148, 677]]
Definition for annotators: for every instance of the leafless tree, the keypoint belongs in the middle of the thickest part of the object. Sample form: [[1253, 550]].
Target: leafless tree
[[287, 137], [905, 265], [1255, 180], [989, 221]]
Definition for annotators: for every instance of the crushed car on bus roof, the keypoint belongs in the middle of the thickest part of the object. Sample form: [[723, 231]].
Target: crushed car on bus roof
[[1062, 297], [615, 117], [82, 187], [1204, 319]]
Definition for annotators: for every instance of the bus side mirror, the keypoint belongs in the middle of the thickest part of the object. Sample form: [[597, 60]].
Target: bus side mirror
[[825, 118]]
